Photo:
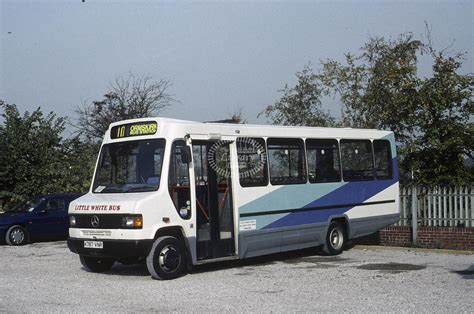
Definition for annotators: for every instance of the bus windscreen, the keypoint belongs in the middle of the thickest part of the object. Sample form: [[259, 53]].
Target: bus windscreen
[[131, 166]]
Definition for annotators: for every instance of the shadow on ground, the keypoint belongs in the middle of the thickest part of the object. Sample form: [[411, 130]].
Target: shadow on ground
[[466, 273], [308, 258], [303, 257], [391, 268]]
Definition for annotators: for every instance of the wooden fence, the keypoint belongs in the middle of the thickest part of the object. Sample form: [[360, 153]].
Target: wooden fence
[[437, 206]]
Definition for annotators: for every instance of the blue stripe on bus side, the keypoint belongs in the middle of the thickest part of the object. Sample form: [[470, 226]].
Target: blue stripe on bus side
[[290, 196], [352, 193], [349, 193]]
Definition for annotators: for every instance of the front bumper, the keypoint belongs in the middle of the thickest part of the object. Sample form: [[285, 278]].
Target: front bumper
[[116, 249]]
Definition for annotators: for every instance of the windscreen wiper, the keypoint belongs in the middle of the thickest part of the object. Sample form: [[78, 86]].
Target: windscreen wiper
[[140, 187]]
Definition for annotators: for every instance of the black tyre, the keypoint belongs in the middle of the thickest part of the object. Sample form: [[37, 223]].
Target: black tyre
[[16, 235], [335, 239], [167, 258], [96, 264]]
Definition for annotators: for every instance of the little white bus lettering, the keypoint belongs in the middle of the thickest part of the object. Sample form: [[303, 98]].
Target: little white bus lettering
[[97, 207]]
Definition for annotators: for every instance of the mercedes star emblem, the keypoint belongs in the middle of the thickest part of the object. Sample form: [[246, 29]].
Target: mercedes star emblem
[[95, 221]]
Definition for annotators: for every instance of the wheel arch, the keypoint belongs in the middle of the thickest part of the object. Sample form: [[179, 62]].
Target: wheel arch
[[177, 232], [21, 224], [344, 220]]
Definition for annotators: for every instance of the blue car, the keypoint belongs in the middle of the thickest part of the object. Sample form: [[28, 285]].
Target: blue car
[[41, 218]]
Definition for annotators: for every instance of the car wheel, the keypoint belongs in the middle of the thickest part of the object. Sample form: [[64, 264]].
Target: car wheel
[[167, 258], [96, 264], [16, 235], [335, 239]]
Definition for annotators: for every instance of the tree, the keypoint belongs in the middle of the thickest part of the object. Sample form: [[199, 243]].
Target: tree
[[380, 88], [127, 98], [444, 124], [235, 118], [29, 156], [77, 164], [301, 104], [34, 159]]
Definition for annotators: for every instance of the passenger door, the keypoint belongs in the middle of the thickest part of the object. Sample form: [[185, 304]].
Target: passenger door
[[50, 219], [213, 189]]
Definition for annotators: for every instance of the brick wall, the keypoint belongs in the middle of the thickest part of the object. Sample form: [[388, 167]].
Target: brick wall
[[430, 237]]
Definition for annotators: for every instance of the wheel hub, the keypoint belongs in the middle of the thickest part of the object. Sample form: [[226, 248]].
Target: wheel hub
[[336, 238], [169, 258], [17, 236]]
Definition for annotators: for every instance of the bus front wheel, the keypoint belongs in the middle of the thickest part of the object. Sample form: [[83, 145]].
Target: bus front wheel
[[335, 239], [167, 258]]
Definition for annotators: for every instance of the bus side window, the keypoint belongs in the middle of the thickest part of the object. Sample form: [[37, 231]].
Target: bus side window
[[287, 161], [252, 162], [323, 160], [357, 160], [383, 159], [178, 183]]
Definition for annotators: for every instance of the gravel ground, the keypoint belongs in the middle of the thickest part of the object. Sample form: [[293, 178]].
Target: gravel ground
[[46, 277]]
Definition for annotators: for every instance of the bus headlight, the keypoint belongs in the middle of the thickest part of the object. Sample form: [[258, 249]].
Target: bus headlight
[[132, 222], [72, 221]]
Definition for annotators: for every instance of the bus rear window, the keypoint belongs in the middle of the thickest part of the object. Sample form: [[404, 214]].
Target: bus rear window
[[383, 159], [357, 160]]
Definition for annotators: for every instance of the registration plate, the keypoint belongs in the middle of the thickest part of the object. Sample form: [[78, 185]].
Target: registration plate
[[93, 244]]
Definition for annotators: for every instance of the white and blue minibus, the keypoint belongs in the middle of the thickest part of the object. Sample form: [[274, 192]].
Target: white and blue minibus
[[179, 193]]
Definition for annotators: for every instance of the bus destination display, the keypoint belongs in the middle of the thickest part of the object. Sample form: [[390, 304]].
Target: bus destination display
[[133, 129]]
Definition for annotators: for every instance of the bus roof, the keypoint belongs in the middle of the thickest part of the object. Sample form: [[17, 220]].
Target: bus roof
[[257, 130]]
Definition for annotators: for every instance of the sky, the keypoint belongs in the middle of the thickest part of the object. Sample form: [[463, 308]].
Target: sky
[[220, 56]]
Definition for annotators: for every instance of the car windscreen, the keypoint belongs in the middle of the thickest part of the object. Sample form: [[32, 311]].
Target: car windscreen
[[131, 166], [26, 206]]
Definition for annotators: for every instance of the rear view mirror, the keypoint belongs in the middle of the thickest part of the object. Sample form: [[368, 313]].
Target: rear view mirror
[[41, 211], [186, 156]]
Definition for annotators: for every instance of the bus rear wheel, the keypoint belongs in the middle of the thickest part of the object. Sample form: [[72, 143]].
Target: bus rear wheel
[[96, 264], [335, 239], [167, 258]]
